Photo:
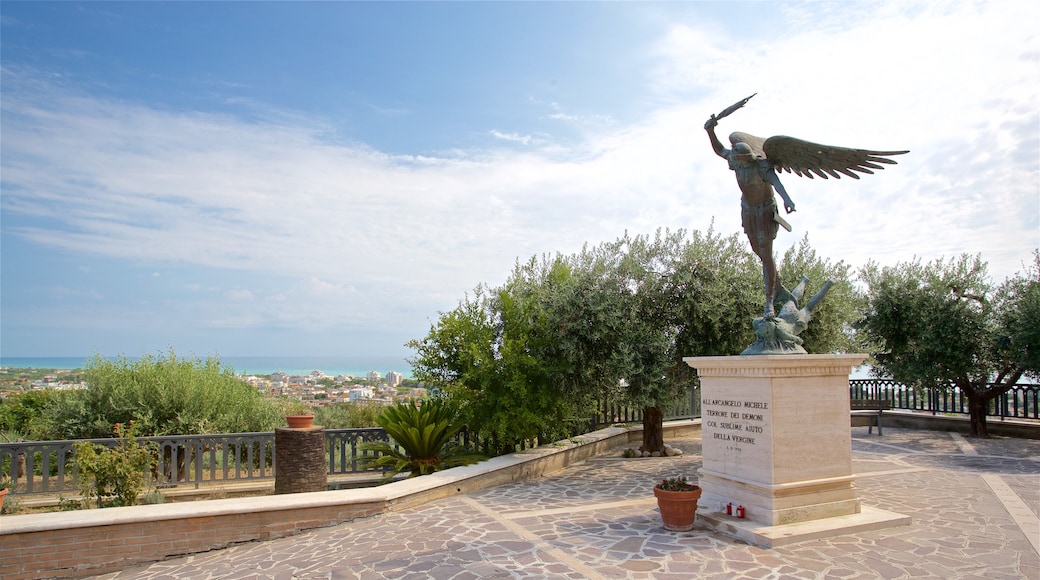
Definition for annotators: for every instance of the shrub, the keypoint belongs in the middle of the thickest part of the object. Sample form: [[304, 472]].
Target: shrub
[[424, 431], [353, 415], [114, 476], [163, 395]]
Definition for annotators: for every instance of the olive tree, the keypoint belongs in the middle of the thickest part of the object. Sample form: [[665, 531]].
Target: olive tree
[[612, 322], [488, 356], [832, 329], [943, 324], [527, 360], [644, 340], [163, 395], [705, 298], [699, 294]]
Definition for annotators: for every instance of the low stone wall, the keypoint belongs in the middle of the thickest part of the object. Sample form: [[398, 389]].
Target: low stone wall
[[1007, 428], [89, 542]]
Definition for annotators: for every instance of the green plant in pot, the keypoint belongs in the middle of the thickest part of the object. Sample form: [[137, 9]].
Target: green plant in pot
[[424, 433], [298, 415], [677, 500]]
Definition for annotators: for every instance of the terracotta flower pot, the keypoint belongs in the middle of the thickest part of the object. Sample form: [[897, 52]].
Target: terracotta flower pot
[[299, 421], [3, 492], [678, 508]]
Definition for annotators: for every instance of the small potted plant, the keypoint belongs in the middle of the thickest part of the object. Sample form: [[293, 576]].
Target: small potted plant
[[298, 415], [677, 499]]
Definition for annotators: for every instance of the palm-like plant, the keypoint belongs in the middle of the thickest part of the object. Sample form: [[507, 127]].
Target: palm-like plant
[[424, 433]]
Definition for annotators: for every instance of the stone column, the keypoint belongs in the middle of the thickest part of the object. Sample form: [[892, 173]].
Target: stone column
[[299, 459]]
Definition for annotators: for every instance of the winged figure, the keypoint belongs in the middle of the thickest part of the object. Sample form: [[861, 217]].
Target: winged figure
[[755, 162]]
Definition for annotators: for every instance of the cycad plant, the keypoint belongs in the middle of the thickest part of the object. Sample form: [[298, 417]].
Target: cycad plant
[[424, 432]]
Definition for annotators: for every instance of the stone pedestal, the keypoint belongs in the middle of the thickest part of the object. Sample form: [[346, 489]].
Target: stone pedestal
[[299, 460], [776, 439]]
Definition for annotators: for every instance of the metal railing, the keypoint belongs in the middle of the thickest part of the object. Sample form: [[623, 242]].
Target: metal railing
[[687, 406], [342, 449], [1021, 402], [47, 467], [197, 459]]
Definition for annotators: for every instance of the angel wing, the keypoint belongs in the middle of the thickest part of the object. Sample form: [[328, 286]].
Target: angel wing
[[805, 158]]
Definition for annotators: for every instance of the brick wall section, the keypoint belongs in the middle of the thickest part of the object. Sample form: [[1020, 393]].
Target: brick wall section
[[299, 459], [73, 552], [89, 542]]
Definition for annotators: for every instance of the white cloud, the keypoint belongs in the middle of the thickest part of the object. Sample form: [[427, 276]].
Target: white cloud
[[512, 137], [373, 238]]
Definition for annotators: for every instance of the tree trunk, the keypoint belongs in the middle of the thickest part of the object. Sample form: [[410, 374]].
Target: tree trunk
[[977, 412], [653, 430]]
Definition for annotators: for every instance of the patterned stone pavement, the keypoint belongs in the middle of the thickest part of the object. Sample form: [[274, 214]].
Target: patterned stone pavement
[[975, 506]]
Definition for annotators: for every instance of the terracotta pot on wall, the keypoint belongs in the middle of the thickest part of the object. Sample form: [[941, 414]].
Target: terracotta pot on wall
[[299, 421]]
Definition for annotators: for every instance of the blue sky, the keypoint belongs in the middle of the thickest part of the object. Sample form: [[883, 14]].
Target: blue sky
[[324, 178]]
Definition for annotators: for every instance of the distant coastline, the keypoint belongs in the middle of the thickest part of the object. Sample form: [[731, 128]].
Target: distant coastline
[[249, 365]]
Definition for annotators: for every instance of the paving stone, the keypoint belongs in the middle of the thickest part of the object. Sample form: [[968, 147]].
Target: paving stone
[[591, 521]]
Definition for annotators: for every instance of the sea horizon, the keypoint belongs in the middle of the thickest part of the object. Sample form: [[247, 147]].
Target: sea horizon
[[357, 366]]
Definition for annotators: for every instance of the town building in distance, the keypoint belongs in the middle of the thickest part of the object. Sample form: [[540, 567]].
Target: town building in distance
[[321, 390]]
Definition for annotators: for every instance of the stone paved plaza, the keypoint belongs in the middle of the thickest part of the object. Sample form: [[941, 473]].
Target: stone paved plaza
[[975, 506]]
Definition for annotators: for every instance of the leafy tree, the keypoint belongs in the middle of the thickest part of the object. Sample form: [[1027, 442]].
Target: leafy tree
[[425, 432], [1017, 310], [704, 303], [714, 291], [686, 294], [585, 318], [942, 323], [163, 395], [832, 329], [486, 356], [22, 413], [613, 321], [353, 415], [118, 475], [447, 352]]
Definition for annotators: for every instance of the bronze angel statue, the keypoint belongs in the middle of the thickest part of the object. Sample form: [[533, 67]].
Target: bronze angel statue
[[755, 162]]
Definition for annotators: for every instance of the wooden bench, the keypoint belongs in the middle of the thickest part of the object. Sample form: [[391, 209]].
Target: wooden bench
[[871, 410]]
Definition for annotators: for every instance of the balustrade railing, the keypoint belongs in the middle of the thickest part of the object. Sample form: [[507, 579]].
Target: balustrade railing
[[342, 448], [686, 406], [1021, 402], [47, 467], [198, 459]]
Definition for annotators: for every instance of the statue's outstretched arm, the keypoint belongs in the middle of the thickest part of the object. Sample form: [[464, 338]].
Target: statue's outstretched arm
[[818, 297], [772, 178], [709, 126]]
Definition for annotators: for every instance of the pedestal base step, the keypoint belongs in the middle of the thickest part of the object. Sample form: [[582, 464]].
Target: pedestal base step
[[766, 536]]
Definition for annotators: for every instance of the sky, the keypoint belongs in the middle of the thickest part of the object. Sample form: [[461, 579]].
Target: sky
[[290, 179]]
